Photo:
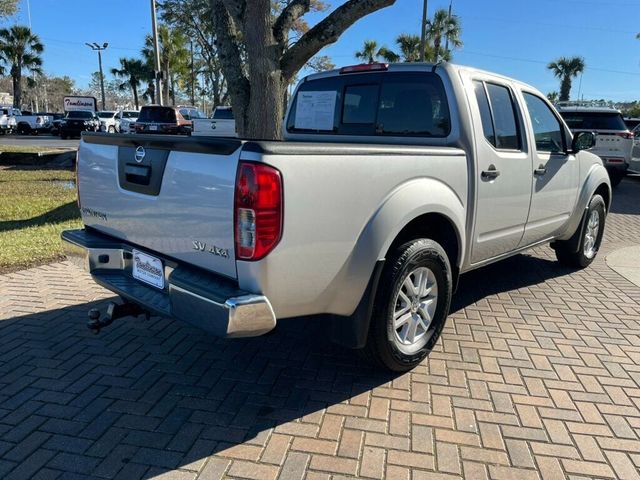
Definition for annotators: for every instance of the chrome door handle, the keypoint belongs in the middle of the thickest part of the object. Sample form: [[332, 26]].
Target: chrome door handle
[[541, 170], [490, 173]]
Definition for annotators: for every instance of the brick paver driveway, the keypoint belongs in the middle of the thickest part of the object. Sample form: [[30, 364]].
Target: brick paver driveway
[[537, 375]]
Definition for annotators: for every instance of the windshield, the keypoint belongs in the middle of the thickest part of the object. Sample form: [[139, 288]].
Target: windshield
[[106, 114], [594, 120], [130, 114], [80, 114], [223, 114], [157, 114]]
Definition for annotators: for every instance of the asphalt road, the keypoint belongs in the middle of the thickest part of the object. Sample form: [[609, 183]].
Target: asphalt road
[[38, 141]]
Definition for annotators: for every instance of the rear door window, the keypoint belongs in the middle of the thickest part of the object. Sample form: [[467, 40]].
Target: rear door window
[[378, 104], [504, 117]]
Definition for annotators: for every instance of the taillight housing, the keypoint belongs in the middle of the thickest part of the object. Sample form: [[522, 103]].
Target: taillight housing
[[625, 135], [258, 210]]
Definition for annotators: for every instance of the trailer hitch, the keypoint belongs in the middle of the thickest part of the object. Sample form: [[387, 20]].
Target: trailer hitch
[[114, 312]]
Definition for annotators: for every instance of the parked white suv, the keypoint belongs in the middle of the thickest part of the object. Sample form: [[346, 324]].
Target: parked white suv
[[614, 141], [124, 120], [108, 120]]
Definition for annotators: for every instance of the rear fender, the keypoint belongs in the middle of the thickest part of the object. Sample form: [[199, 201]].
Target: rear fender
[[361, 275], [407, 202]]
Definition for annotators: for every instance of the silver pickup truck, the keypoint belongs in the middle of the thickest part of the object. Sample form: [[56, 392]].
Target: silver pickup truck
[[391, 182]]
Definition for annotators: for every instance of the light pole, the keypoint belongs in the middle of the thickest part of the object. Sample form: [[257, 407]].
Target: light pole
[[98, 48], [423, 33], [156, 49]]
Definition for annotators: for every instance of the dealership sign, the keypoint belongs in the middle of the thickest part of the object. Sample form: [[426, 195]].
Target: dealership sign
[[73, 104]]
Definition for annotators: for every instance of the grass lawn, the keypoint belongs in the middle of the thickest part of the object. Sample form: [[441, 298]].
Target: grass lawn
[[31, 149], [35, 206]]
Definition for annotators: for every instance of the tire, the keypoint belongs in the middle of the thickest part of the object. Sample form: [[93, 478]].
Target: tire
[[390, 343], [615, 177], [23, 129], [588, 237], [63, 136], [111, 129]]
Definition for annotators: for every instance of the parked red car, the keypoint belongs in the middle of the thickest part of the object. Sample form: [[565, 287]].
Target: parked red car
[[161, 119]]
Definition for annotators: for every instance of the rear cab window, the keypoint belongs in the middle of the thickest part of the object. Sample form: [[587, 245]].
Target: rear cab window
[[390, 104], [223, 114]]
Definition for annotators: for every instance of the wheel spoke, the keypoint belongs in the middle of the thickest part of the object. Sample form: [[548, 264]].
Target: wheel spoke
[[408, 284], [411, 331], [402, 320]]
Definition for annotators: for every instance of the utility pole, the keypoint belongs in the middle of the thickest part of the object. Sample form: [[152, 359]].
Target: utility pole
[[446, 43], [193, 79], [423, 31], [98, 48], [156, 49]]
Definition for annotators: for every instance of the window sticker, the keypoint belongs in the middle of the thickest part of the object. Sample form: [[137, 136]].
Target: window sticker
[[315, 110]]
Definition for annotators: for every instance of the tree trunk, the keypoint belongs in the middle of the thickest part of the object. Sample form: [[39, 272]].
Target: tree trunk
[[565, 88], [265, 112], [16, 76], [134, 89]]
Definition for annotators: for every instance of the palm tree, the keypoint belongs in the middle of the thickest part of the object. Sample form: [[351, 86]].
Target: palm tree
[[446, 28], [174, 59], [132, 71], [21, 50], [369, 52], [553, 97], [566, 69]]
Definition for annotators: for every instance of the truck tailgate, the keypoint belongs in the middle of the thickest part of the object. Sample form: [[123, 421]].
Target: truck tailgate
[[165, 194]]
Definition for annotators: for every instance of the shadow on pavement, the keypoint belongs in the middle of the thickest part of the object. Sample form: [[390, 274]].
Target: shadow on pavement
[[624, 201], [148, 396]]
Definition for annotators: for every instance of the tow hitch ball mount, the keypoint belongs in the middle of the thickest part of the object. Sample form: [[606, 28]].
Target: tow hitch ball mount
[[114, 312]]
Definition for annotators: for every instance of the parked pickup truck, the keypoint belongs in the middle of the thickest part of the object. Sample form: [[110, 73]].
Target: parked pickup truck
[[391, 182], [28, 123], [221, 124]]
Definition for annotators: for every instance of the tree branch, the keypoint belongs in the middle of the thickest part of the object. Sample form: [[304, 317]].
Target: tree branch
[[327, 32], [290, 14]]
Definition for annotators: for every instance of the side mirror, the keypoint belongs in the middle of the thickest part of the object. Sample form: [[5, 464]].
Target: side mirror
[[583, 141]]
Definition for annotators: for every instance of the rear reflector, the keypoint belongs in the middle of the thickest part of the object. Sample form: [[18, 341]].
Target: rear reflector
[[258, 210], [365, 67], [614, 160]]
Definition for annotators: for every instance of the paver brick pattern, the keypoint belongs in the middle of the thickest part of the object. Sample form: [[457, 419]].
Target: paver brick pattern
[[536, 375]]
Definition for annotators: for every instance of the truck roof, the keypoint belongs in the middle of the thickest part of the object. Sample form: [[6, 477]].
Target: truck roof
[[420, 66]]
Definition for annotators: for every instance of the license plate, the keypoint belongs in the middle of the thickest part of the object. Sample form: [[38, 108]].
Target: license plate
[[148, 269], [153, 127]]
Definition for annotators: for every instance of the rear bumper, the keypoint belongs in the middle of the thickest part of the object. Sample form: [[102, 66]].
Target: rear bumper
[[205, 300]]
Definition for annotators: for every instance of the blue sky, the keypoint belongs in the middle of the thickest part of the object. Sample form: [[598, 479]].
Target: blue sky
[[513, 37]]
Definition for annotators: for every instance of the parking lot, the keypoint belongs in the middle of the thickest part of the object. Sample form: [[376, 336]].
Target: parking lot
[[536, 376]]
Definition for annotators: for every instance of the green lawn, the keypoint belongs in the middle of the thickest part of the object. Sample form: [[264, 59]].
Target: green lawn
[[31, 149], [35, 206]]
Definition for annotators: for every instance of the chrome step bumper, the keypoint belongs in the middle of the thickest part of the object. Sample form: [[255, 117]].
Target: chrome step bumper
[[198, 297]]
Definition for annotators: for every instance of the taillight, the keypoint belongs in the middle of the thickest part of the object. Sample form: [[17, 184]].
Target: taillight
[[625, 135], [258, 210]]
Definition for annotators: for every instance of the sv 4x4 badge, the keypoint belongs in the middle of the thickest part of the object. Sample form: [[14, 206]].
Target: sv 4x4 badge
[[202, 247]]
